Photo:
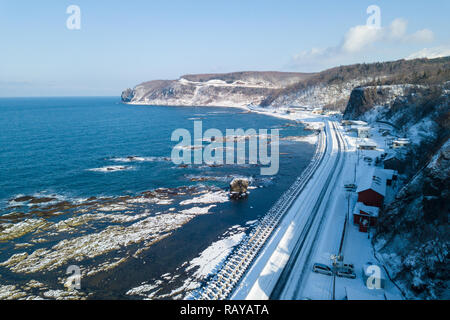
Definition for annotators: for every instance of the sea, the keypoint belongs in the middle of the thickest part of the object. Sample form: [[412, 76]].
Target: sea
[[93, 207]]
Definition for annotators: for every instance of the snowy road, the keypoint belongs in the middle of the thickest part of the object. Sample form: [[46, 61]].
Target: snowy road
[[297, 271], [278, 271], [323, 240]]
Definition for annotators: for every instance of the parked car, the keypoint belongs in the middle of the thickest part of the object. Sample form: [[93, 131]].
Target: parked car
[[322, 268], [346, 273], [350, 186]]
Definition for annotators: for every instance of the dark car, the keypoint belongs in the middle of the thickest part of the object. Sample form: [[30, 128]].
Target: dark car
[[322, 268]]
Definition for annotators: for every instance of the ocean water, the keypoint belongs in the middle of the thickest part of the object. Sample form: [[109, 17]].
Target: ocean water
[[89, 182]]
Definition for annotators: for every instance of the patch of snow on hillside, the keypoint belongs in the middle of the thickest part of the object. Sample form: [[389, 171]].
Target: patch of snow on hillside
[[424, 130]]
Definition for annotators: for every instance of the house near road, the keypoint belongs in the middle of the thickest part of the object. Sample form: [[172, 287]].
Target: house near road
[[400, 142], [300, 108], [371, 193], [372, 189], [367, 145], [361, 131], [365, 216]]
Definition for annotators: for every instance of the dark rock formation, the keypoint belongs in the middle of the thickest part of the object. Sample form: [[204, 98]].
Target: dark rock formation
[[127, 95], [238, 188]]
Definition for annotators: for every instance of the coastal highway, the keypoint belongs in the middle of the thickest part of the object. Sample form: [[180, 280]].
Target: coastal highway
[[293, 282], [278, 250], [278, 271]]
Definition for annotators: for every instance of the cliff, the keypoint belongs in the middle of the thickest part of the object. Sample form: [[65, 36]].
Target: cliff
[[412, 235], [329, 89], [237, 89]]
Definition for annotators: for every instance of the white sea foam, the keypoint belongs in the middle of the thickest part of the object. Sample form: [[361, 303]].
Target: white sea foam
[[143, 289], [142, 200], [139, 159], [111, 168], [210, 197], [311, 139], [198, 210]]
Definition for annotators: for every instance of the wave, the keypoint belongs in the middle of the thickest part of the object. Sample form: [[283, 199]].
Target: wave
[[311, 139], [226, 178], [111, 168], [139, 159]]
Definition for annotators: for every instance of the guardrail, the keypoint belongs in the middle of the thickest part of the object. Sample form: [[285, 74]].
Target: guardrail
[[237, 263]]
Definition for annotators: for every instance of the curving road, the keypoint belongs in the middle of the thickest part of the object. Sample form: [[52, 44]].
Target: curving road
[[278, 272]]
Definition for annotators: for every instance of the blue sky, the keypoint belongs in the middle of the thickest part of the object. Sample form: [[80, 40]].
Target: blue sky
[[122, 43]]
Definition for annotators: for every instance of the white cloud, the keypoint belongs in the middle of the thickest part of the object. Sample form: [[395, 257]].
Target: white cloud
[[361, 37], [431, 53], [424, 35], [397, 29]]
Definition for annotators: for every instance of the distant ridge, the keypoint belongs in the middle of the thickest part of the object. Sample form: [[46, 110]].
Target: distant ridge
[[328, 89]]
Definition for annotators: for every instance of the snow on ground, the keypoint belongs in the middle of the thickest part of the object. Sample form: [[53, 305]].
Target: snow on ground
[[207, 261], [357, 248], [262, 276], [197, 269]]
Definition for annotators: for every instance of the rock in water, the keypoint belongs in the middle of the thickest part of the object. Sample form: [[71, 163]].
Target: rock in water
[[127, 95], [238, 188]]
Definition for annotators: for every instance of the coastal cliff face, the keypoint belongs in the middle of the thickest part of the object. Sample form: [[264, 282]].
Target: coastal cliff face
[[237, 89], [412, 235], [329, 89]]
